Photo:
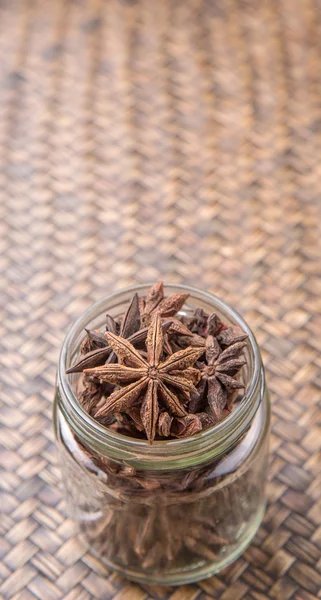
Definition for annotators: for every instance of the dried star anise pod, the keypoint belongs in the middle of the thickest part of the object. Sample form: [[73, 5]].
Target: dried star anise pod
[[231, 335], [164, 424], [218, 374], [148, 382], [93, 340], [214, 325], [198, 322], [186, 426], [166, 307], [90, 395], [129, 328]]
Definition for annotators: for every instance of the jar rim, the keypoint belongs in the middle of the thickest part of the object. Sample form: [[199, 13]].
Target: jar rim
[[162, 453]]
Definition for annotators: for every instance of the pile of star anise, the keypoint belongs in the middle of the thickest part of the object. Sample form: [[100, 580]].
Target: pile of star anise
[[155, 373]]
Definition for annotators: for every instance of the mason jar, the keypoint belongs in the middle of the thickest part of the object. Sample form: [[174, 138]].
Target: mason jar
[[175, 511]]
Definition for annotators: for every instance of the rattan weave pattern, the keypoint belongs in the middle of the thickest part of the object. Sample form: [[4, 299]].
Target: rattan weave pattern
[[146, 139]]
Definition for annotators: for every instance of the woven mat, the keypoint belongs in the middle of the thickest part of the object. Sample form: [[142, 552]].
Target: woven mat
[[154, 139]]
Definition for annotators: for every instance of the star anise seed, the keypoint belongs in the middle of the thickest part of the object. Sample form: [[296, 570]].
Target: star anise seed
[[147, 382], [218, 374], [92, 341], [155, 302]]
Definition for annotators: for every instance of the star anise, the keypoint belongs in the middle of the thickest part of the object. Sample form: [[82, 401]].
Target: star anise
[[164, 424], [186, 426], [166, 307], [93, 340], [100, 350], [231, 335], [90, 395], [198, 322], [218, 374], [201, 325], [178, 426], [150, 383]]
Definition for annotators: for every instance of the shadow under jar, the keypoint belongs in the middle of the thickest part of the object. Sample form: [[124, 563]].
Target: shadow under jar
[[175, 511]]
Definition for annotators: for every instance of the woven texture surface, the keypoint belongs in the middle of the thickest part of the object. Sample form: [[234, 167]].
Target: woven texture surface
[[152, 139]]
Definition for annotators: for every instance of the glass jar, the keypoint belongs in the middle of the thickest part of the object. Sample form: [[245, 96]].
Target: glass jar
[[175, 511]]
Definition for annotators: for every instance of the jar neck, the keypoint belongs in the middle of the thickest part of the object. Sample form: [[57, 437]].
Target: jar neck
[[172, 454]]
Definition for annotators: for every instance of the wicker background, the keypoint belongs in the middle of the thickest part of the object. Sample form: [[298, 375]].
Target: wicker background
[[147, 139]]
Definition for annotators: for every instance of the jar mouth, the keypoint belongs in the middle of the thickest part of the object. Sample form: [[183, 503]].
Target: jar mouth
[[203, 445]]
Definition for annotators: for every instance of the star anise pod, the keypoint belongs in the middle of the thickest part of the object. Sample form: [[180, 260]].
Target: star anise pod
[[218, 374], [100, 352], [166, 307], [186, 426], [178, 426], [150, 382], [90, 395], [198, 322], [93, 340], [231, 335], [154, 296], [215, 325], [164, 424]]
